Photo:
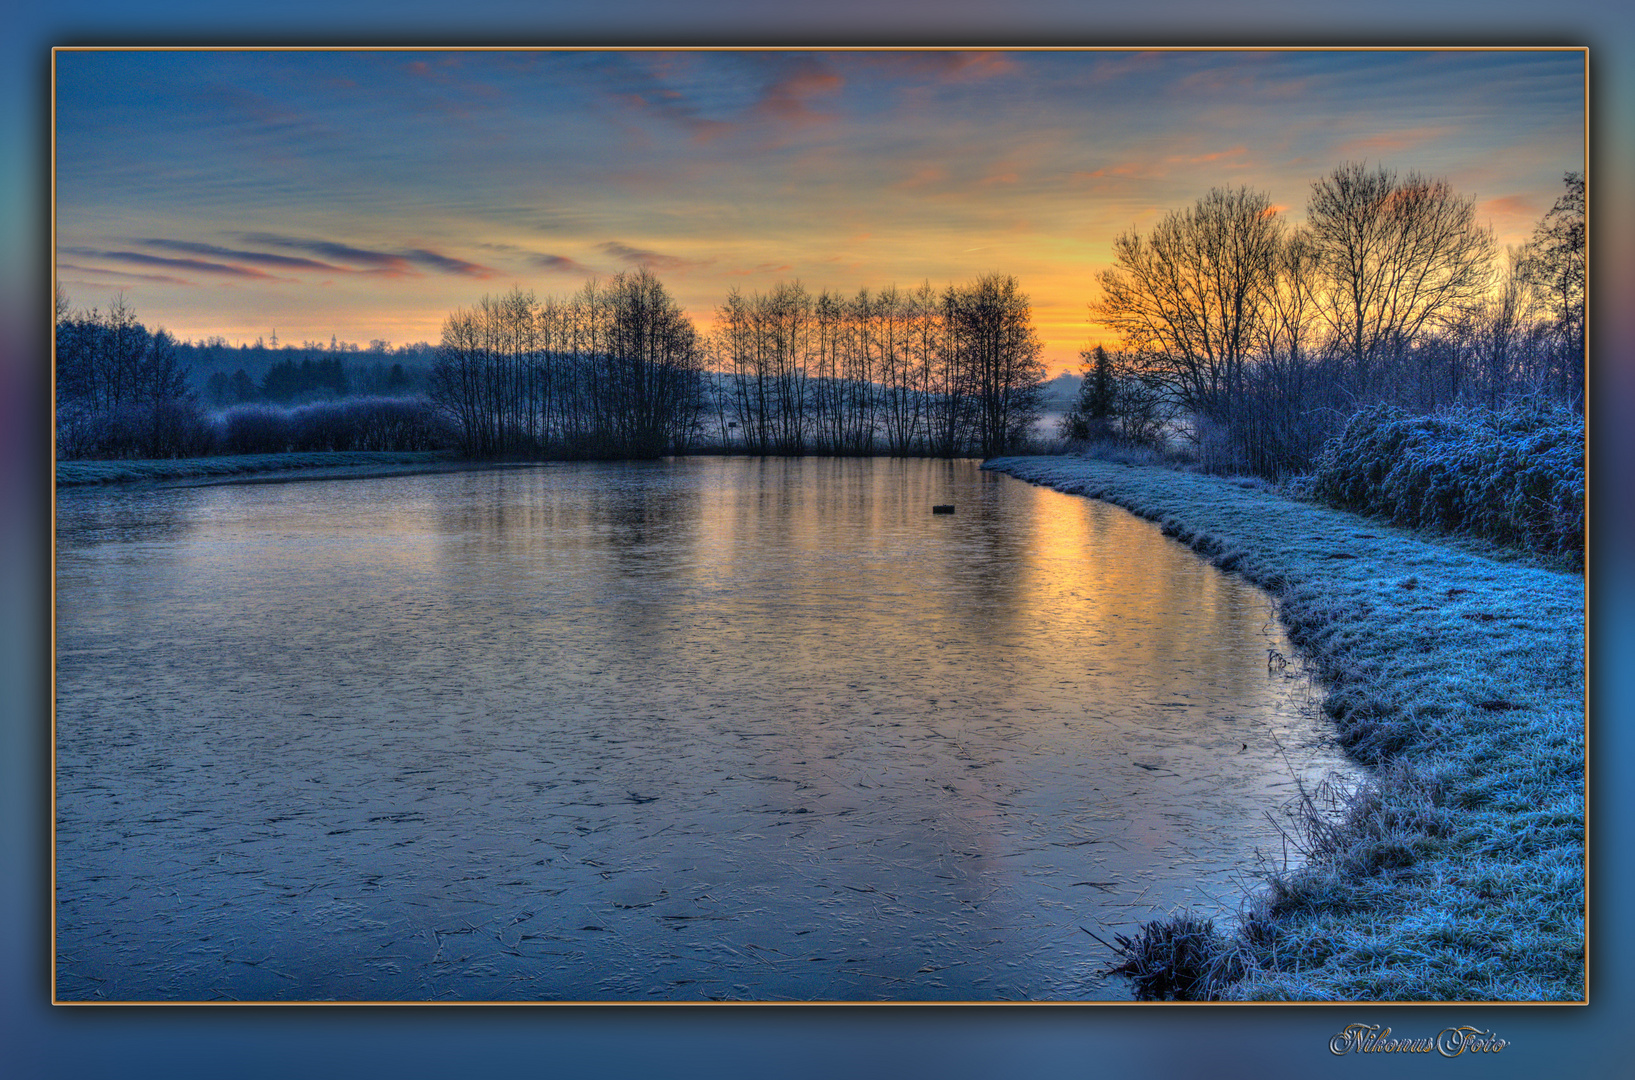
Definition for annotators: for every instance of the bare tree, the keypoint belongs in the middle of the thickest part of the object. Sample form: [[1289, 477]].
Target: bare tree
[[122, 391], [993, 321], [769, 345], [881, 370], [1397, 258], [614, 370], [1554, 264], [655, 364], [835, 335], [1188, 300], [1290, 325]]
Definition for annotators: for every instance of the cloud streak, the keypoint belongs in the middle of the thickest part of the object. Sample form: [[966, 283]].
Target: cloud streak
[[944, 68], [263, 258], [788, 98], [448, 264], [198, 266], [647, 86], [162, 278], [632, 256], [391, 263], [558, 263]]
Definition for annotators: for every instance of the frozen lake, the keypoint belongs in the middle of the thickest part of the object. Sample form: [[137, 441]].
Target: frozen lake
[[708, 728]]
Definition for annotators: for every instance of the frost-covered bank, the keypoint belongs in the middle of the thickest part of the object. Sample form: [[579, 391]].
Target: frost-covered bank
[[1458, 873]]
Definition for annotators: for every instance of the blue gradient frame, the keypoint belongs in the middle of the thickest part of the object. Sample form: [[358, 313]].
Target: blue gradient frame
[[37, 1040]]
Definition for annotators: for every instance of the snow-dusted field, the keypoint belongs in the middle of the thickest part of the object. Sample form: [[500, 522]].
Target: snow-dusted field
[[1462, 679], [752, 729]]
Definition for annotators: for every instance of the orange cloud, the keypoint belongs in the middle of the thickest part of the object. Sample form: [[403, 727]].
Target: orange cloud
[[1127, 171], [1391, 141], [1219, 155], [1513, 206], [943, 66]]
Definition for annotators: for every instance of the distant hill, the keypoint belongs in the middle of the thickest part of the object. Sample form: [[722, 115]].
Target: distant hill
[[1061, 392]]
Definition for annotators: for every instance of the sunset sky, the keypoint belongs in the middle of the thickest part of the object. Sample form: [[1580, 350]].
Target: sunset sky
[[364, 195]]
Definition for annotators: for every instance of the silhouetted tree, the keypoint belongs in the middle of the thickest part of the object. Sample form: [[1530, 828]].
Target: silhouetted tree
[[1091, 417], [993, 323], [1397, 258], [121, 391], [1554, 264], [1188, 300], [611, 371]]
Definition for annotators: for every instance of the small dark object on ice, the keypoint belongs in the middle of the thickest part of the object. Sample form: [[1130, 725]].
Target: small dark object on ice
[[943, 508]]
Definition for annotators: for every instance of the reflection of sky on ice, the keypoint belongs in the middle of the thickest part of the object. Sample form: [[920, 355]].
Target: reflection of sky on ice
[[718, 727]]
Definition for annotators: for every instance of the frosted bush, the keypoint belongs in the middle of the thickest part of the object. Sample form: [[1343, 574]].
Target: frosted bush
[[1515, 477], [377, 424]]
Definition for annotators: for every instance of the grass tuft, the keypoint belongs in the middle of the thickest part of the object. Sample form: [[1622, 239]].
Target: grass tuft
[[1179, 958]]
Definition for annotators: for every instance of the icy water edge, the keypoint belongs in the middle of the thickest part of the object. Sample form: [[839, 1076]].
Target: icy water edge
[[752, 729]]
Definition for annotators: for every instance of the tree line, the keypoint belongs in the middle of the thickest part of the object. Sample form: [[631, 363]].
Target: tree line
[[121, 390], [617, 369], [1253, 340], [304, 374], [897, 372]]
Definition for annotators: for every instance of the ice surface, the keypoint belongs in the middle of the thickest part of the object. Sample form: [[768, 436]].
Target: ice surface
[[711, 728]]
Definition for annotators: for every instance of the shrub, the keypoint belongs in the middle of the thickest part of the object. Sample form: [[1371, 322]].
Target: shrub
[[1515, 477], [168, 428], [254, 429], [378, 424]]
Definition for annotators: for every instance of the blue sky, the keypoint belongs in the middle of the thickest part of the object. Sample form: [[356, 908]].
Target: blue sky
[[366, 194]]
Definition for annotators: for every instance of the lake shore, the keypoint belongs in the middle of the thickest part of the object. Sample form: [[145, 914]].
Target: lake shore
[[1457, 872], [268, 468]]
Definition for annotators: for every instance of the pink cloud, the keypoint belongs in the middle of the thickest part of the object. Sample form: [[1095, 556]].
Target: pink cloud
[[1126, 171], [1219, 155], [944, 66], [788, 99], [1513, 206]]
